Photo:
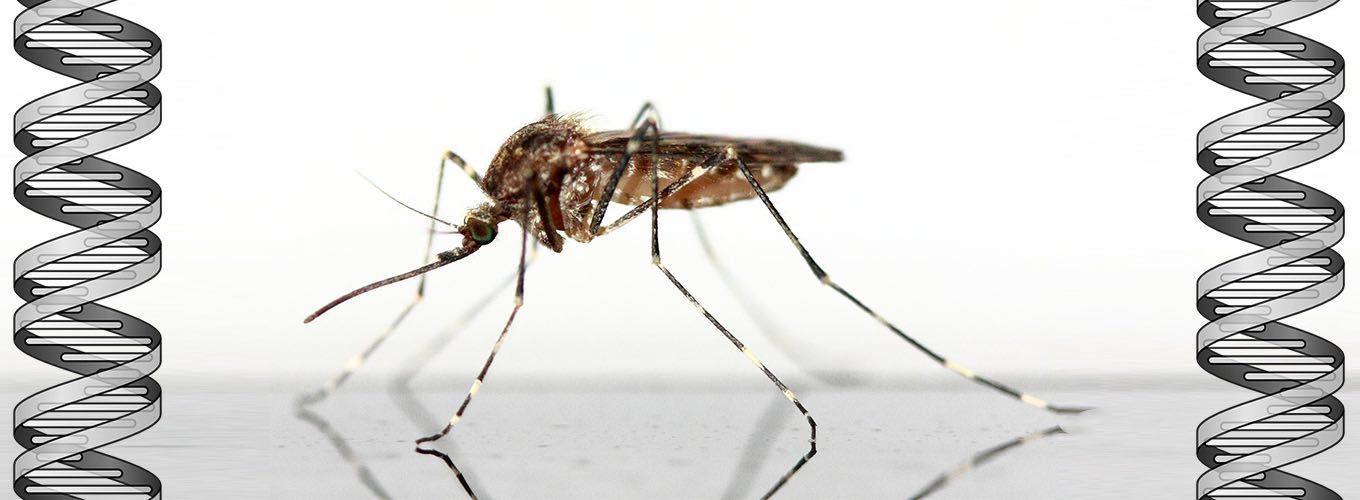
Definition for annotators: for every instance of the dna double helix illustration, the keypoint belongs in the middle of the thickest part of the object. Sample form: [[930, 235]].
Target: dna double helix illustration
[[1296, 269], [111, 250]]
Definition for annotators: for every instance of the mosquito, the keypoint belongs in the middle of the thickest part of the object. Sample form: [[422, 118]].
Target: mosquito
[[555, 178]]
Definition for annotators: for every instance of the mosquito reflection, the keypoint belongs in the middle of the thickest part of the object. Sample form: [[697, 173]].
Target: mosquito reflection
[[972, 463], [342, 447], [755, 452]]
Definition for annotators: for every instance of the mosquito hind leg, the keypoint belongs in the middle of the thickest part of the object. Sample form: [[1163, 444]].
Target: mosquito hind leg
[[481, 376], [796, 350], [656, 261], [826, 280], [358, 359]]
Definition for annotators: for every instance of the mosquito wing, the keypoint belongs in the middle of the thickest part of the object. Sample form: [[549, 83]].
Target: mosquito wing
[[772, 162], [700, 147]]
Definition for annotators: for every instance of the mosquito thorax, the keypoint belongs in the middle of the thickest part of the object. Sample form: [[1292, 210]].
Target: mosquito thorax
[[533, 162], [543, 151]]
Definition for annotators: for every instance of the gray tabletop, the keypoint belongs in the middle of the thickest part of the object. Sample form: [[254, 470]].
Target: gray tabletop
[[692, 442]]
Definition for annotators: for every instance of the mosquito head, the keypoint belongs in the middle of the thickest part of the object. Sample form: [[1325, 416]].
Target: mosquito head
[[479, 225]]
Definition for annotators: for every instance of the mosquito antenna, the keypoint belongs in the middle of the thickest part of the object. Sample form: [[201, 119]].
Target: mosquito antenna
[[445, 258], [402, 203]]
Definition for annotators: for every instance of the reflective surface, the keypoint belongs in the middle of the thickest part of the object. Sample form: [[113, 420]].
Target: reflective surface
[[522, 443]]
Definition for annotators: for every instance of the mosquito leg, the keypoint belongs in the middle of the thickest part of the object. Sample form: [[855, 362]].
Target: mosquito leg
[[358, 359], [826, 280], [795, 349], [450, 156], [481, 376], [540, 200], [756, 449], [400, 387], [684, 180], [646, 119], [548, 101], [413, 366], [648, 109], [656, 261]]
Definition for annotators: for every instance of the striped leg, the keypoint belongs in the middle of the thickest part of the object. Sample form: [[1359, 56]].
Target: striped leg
[[358, 359], [755, 450], [797, 350], [656, 261], [481, 376], [450, 156], [400, 387], [826, 280]]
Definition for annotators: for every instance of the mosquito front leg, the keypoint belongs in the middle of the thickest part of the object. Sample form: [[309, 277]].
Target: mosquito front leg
[[656, 261], [826, 280], [400, 388], [481, 376], [450, 156], [358, 359]]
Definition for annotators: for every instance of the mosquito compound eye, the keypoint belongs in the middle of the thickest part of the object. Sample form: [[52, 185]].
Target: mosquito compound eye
[[481, 231]]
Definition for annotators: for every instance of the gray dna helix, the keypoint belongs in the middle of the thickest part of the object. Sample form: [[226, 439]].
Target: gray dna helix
[[112, 354], [1296, 373]]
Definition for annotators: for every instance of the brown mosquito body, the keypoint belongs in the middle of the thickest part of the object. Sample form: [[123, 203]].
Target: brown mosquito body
[[568, 166], [556, 179]]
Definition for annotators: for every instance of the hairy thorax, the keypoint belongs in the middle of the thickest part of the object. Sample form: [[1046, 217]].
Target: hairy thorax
[[535, 160]]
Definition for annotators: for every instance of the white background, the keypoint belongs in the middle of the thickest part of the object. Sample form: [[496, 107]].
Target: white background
[[1018, 188]]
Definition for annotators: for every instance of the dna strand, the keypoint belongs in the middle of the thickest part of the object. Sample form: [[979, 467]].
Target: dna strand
[[62, 427], [1296, 269]]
